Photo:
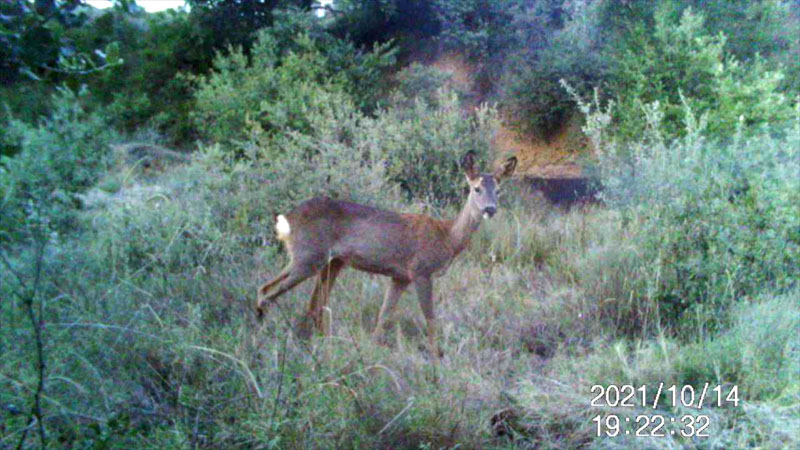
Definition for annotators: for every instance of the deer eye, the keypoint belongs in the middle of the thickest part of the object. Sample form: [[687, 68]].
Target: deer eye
[[478, 190]]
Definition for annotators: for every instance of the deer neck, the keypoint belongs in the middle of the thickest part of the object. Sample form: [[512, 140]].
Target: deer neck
[[462, 227]]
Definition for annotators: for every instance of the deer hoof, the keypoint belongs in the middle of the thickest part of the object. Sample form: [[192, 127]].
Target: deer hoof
[[259, 311]]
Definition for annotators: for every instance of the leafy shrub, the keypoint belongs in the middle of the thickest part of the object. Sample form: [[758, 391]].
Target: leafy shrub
[[755, 28], [147, 88], [643, 51], [716, 221], [424, 144], [416, 148], [570, 47], [289, 108], [33, 38], [531, 100], [62, 155], [478, 27], [418, 81], [283, 82], [679, 64]]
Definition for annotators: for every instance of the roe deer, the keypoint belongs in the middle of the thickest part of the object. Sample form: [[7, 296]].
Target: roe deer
[[322, 236]]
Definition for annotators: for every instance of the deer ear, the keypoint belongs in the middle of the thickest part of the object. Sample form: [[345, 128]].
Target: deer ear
[[468, 164], [506, 169]]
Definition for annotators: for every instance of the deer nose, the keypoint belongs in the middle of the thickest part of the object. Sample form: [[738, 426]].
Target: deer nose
[[490, 210]]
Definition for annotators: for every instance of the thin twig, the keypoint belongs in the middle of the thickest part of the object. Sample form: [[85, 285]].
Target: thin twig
[[280, 381], [16, 274], [400, 414], [27, 300], [328, 8], [79, 71]]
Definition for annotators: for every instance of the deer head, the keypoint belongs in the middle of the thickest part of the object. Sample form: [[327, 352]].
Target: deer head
[[484, 187]]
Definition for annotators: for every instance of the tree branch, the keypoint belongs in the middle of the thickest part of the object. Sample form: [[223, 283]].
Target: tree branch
[[328, 8]]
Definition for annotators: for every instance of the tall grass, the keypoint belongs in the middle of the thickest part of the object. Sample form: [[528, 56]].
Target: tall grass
[[154, 343]]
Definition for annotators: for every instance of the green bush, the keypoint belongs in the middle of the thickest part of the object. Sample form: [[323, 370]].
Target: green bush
[[532, 101], [569, 48], [715, 221], [147, 88], [343, 151], [639, 51], [419, 81], [63, 154], [285, 79], [679, 64], [764, 28], [295, 109], [424, 144]]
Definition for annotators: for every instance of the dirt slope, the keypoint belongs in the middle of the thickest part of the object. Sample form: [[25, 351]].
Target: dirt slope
[[538, 158]]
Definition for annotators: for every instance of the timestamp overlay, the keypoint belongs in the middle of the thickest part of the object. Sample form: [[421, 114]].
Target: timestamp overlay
[[650, 405]]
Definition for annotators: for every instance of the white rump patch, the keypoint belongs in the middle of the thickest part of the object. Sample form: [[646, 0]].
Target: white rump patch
[[282, 227]]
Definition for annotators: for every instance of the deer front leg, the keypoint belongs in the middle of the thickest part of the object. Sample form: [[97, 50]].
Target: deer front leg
[[425, 293], [393, 294]]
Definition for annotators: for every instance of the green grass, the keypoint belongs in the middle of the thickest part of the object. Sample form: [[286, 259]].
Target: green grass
[[151, 340]]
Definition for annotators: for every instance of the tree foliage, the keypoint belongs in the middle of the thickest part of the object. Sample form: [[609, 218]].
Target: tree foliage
[[680, 65], [35, 44], [58, 157], [234, 22], [293, 70]]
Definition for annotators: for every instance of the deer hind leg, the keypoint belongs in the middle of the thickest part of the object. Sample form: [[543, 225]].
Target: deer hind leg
[[425, 293], [320, 297], [393, 294], [264, 289], [297, 272]]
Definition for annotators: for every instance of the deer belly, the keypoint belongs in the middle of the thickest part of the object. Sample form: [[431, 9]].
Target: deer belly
[[371, 267], [376, 246], [381, 263]]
